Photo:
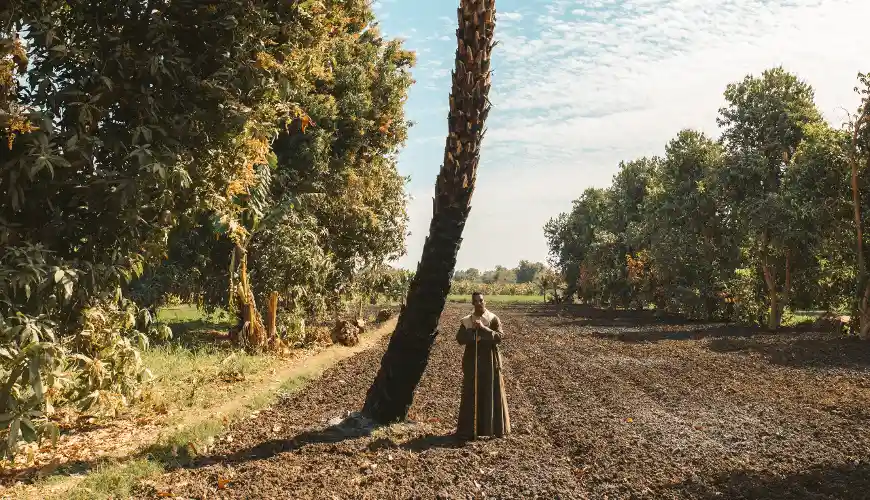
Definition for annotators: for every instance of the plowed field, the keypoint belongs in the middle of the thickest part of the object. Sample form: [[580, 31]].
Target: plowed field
[[603, 404]]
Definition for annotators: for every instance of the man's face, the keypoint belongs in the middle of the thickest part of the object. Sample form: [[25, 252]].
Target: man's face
[[478, 302]]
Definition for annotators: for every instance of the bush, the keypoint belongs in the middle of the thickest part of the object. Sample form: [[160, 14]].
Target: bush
[[469, 287]]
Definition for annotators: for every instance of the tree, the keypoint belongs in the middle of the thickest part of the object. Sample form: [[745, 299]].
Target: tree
[[816, 190], [548, 280], [404, 362], [859, 151], [335, 203], [122, 120], [470, 274], [528, 271], [570, 238], [689, 246], [765, 119]]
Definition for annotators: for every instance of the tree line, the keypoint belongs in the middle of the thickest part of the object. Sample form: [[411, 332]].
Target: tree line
[[219, 152], [764, 219], [525, 272]]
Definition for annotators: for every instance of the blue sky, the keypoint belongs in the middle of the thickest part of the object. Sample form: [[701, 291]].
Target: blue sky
[[580, 85]]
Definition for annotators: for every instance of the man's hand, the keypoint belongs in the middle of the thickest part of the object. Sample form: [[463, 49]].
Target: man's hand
[[477, 324]]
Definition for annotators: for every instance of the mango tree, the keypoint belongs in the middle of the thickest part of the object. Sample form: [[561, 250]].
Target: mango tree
[[764, 122]]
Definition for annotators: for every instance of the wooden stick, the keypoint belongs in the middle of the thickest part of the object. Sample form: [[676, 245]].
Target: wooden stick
[[475, 383]]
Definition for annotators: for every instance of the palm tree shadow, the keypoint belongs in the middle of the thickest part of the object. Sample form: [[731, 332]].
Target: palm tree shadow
[[334, 434], [330, 435]]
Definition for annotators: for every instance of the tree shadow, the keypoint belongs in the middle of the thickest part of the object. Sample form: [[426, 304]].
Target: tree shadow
[[802, 350], [635, 334], [842, 482], [585, 315], [333, 434]]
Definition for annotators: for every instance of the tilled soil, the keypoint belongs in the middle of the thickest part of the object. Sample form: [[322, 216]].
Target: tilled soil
[[603, 404]]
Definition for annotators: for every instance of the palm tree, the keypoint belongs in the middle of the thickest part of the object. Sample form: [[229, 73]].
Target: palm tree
[[402, 366]]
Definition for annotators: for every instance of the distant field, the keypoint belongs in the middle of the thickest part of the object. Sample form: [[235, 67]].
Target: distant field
[[500, 299]]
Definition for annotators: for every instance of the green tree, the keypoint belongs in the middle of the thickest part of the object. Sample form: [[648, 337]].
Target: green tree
[[621, 237], [527, 271], [816, 190], [470, 274], [335, 202], [764, 122], [570, 237], [690, 247], [126, 118], [859, 152]]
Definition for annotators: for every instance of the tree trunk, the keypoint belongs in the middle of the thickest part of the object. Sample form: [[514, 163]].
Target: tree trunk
[[252, 332], [272, 319], [402, 366], [769, 273], [862, 288], [864, 313]]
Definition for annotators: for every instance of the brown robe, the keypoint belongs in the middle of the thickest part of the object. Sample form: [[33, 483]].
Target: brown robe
[[493, 418]]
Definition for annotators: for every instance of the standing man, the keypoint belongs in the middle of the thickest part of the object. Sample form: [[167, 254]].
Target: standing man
[[483, 410]]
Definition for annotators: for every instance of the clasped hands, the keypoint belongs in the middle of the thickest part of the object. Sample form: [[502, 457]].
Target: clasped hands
[[479, 327]]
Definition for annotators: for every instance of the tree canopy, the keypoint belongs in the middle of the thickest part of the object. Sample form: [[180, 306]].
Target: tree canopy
[[743, 227], [189, 148]]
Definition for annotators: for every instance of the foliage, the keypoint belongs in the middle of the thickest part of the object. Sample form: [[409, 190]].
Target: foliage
[[468, 287], [528, 271], [163, 120], [741, 228], [333, 206]]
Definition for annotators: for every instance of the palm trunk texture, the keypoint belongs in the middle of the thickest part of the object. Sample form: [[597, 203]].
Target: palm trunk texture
[[404, 362]]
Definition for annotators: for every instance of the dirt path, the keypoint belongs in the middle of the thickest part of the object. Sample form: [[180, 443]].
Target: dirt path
[[692, 411], [125, 439]]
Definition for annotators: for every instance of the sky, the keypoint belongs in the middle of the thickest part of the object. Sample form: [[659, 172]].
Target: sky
[[580, 85]]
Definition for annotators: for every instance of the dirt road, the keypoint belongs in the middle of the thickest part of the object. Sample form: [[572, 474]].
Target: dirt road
[[604, 405]]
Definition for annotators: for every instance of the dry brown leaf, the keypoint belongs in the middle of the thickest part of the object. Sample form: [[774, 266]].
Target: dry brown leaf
[[222, 483]]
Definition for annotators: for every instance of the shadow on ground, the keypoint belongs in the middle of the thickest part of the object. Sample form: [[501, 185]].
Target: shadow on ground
[[844, 482], [802, 350], [330, 435]]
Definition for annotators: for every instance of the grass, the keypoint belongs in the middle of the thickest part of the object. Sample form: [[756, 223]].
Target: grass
[[199, 388], [115, 481], [185, 378], [500, 299]]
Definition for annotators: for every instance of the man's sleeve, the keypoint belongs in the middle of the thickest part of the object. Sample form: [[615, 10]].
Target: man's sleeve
[[495, 326], [464, 336]]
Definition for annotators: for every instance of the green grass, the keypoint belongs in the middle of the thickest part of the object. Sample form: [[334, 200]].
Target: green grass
[[115, 480], [198, 377], [500, 299]]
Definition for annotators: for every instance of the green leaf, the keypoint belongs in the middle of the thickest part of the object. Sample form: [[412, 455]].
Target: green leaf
[[12, 439], [28, 430], [36, 378]]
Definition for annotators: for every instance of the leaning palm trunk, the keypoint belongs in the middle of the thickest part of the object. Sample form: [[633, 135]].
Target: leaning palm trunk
[[402, 366]]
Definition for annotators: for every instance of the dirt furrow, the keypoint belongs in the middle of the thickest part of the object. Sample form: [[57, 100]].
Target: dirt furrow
[[643, 410]]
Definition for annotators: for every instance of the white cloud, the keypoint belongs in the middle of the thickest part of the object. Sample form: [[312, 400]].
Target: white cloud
[[593, 82]]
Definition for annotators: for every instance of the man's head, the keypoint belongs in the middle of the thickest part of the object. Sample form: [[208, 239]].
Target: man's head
[[478, 303]]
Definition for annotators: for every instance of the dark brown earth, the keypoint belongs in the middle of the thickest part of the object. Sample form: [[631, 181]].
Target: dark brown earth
[[604, 405]]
